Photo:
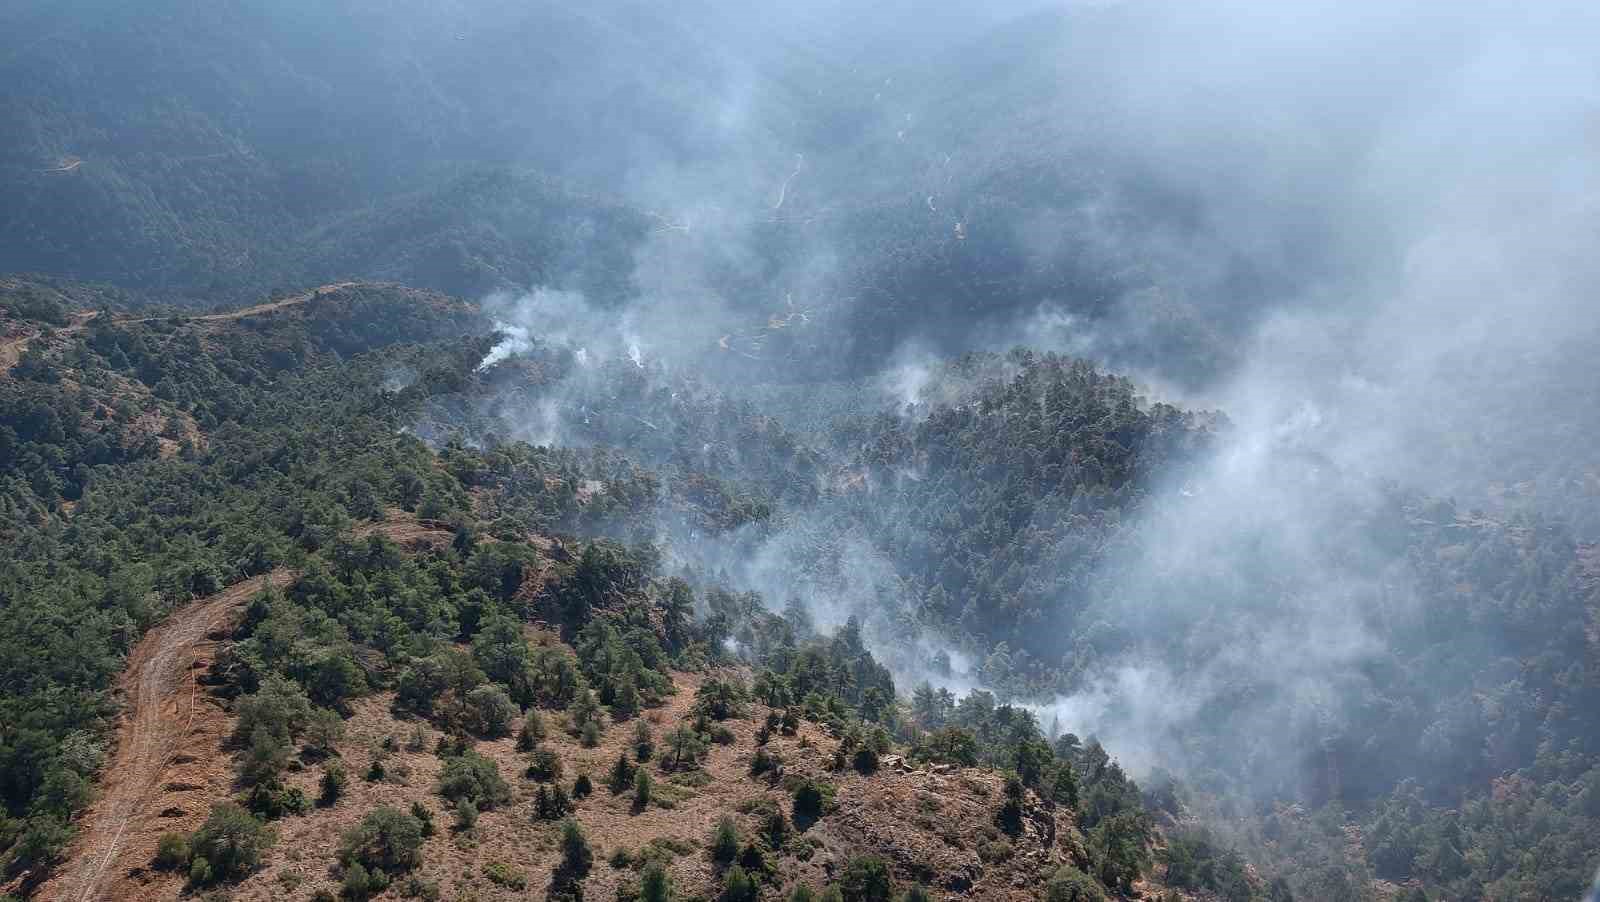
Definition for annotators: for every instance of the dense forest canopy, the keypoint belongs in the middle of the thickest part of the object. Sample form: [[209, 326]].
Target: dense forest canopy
[[1061, 388]]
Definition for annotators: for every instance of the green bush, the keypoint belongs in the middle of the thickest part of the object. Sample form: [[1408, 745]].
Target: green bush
[[489, 711], [265, 758], [424, 817], [279, 707], [229, 845], [725, 841], [333, 782], [811, 800], [473, 778], [544, 766], [172, 852], [866, 879], [589, 736], [387, 840], [644, 743], [641, 788], [532, 731], [576, 856], [737, 886], [621, 775], [1072, 885], [655, 884], [502, 874]]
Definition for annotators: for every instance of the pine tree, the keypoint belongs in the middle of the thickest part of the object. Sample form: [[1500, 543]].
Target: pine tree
[[641, 788], [725, 841], [621, 775]]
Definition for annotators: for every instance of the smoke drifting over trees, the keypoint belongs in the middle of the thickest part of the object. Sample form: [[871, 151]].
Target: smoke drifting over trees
[[830, 295]]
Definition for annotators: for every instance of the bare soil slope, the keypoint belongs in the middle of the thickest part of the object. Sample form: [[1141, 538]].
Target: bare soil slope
[[168, 744], [169, 764]]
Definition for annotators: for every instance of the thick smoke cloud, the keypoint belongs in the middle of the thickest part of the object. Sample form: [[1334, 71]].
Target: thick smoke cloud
[[1413, 185], [1379, 217]]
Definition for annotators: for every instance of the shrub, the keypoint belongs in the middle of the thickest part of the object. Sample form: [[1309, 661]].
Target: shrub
[[544, 766], [386, 840], [582, 787], [866, 879], [424, 817], [40, 844], [621, 775], [811, 800], [172, 852], [1009, 817], [684, 746], [725, 841], [502, 874], [279, 707], [418, 888], [589, 736], [641, 788], [775, 829], [1064, 788], [576, 856], [584, 708], [265, 758], [332, 784], [1072, 885], [720, 699], [489, 711], [753, 860], [200, 872], [738, 886], [655, 884], [550, 803], [357, 883], [473, 778], [466, 814], [324, 729], [417, 739], [532, 732], [272, 800], [644, 742], [229, 845], [994, 851]]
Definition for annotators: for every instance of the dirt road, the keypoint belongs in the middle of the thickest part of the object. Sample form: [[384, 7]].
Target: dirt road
[[169, 764], [12, 349], [163, 697]]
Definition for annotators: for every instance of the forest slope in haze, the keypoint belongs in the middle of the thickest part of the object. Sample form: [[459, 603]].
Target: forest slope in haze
[[1156, 438]]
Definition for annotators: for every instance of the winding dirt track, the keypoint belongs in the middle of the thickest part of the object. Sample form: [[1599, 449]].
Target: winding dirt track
[[162, 694], [164, 751], [11, 350]]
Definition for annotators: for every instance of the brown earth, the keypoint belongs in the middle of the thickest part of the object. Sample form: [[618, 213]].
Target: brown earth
[[166, 751], [169, 764], [11, 350], [929, 823], [934, 825]]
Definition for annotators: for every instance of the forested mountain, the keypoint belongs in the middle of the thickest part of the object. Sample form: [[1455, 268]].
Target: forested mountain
[[908, 450]]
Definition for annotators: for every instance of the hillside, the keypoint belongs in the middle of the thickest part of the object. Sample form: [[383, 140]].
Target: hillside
[[951, 843], [264, 489], [1015, 450]]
